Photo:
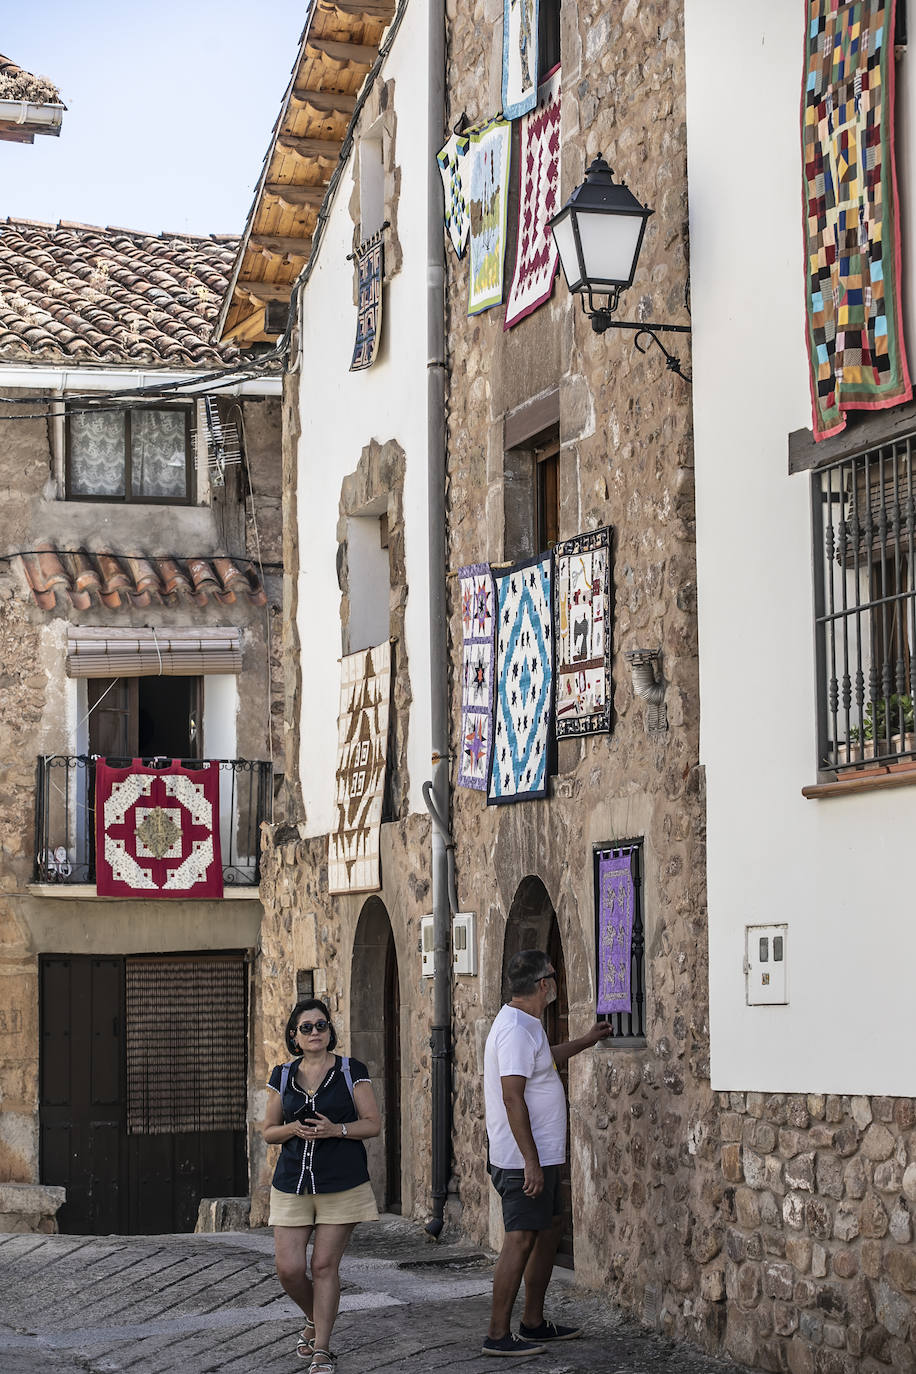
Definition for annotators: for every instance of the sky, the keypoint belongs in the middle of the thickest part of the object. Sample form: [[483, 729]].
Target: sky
[[170, 108]]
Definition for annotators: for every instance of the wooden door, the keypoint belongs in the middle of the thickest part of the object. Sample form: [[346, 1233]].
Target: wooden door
[[557, 1026], [392, 1013]]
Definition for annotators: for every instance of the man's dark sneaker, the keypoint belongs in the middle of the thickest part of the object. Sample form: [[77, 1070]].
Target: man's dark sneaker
[[549, 1331], [510, 1345]]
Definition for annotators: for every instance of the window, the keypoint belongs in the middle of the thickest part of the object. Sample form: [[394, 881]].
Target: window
[[864, 510], [371, 183], [618, 924], [145, 717], [129, 455], [305, 983], [546, 494], [531, 478], [548, 36]]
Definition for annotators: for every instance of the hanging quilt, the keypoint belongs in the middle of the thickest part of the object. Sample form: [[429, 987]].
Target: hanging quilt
[[477, 627], [520, 56], [370, 267], [536, 255], [157, 831], [581, 601], [362, 751], [489, 149], [524, 681], [852, 223], [616, 896], [454, 168]]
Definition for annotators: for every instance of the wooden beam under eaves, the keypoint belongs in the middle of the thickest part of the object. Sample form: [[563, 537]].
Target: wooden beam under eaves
[[265, 290], [295, 196], [368, 9], [363, 54], [249, 329], [325, 102], [282, 244], [310, 147]]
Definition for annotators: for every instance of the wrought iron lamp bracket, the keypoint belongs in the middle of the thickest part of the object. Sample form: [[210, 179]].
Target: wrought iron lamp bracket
[[602, 319]]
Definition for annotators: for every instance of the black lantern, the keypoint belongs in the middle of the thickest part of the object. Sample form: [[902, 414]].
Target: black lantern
[[599, 234]]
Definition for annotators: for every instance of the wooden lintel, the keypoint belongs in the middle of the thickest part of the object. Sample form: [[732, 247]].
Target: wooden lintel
[[310, 147], [326, 102], [294, 196], [282, 244], [366, 9], [265, 290], [363, 54]]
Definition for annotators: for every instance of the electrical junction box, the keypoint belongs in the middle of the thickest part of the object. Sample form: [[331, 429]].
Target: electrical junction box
[[765, 966], [464, 942], [427, 946]]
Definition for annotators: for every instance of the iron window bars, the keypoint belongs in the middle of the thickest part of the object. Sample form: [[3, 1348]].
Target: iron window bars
[[629, 1027], [864, 536]]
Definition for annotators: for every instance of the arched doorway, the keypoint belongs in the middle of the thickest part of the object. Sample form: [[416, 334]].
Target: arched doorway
[[375, 1026], [532, 924]]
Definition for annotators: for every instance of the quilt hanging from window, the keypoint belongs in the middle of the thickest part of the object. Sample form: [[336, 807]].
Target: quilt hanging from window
[[362, 752], [523, 711], [477, 625], [581, 591], [454, 168], [370, 270], [616, 898], [852, 225], [489, 149], [536, 256], [520, 56], [157, 831]]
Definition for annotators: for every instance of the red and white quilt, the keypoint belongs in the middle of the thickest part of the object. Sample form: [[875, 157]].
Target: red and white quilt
[[157, 831], [536, 256]]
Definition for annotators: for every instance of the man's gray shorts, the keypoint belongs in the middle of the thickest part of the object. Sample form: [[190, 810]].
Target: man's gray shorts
[[523, 1213]]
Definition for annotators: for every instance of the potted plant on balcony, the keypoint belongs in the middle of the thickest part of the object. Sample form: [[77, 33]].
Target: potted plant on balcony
[[855, 750]]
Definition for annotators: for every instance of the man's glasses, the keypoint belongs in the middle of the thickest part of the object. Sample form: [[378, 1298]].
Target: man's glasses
[[552, 974], [307, 1027]]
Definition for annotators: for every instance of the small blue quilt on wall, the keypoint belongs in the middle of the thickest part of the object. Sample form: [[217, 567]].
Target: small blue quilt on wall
[[523, 729]]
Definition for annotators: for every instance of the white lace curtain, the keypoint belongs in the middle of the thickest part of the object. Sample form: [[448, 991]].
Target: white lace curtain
[[158, 465]]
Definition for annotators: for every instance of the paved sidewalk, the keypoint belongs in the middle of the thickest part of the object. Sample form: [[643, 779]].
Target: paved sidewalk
[[196, 1304]]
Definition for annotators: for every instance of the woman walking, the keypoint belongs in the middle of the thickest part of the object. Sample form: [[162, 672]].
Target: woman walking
[[320, 1111]]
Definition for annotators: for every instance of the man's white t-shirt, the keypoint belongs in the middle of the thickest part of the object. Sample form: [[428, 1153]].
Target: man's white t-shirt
[[517, 1045]]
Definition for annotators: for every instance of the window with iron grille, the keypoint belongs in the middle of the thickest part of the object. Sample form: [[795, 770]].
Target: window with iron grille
[[620, 940], [865, 607]]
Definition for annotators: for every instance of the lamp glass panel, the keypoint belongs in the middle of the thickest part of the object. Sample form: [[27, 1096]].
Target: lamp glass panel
[[609, 245], [566, 245]]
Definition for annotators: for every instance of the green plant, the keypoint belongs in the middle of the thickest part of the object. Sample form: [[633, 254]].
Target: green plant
[[876, 716]]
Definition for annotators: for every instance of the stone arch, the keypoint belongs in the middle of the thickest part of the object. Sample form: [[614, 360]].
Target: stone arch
[[375, 1039]]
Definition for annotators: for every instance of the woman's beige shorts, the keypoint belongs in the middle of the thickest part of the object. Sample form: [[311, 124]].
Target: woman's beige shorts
[[323, 1209]]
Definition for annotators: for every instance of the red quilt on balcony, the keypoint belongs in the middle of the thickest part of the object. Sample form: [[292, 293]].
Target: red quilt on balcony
[[157, 831]]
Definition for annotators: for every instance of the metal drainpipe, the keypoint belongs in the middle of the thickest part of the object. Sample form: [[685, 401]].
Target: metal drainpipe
[[441, 1032]]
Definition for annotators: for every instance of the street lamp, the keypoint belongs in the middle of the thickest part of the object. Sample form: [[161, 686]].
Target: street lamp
[[599, 234]]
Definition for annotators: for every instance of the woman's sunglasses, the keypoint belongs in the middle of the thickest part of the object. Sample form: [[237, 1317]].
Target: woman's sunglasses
[[307, 1027]]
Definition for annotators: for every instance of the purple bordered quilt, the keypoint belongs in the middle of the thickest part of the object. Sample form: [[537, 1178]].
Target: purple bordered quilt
[[616, 896], [582, 623], [536, 256], [523, 706], [477, 625]]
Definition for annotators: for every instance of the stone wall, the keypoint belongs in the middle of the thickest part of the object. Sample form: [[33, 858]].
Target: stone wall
[[818, 1266]]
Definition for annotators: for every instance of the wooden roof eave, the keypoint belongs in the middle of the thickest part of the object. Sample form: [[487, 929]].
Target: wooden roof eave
[[332, 50]]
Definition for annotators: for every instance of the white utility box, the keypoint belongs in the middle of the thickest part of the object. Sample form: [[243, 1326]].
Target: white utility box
[[464, 942], [765, 965], [428, 946]]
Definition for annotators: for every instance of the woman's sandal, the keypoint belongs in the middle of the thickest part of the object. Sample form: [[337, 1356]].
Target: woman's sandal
[[306, 1342], [322, 1362]]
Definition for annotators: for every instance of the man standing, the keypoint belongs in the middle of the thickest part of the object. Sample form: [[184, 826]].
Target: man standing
[[526, 1126]]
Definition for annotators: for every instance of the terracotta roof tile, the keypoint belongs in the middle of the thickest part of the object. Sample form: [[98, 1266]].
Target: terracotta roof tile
[[82, 580], [18, 84], [111, 295]]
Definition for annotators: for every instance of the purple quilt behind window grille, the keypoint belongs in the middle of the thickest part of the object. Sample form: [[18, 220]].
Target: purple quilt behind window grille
[[616, 897]]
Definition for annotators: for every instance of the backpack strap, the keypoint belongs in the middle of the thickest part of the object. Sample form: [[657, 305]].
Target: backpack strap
[[285, 1071], [348, 1075]]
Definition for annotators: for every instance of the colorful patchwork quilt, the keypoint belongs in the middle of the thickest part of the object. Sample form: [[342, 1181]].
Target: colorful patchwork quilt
[[616, 896], [523, 714], [157, 831], [489, 149], [477, 627], [582, 621], [520, 56], [851, 215], [536, 256], [362, 753], [454, 169]]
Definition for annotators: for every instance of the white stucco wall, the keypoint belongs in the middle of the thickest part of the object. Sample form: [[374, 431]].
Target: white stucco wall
[[341, 413], [836, 871]]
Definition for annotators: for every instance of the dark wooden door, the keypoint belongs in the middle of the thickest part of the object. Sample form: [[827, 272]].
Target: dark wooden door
[[557, 1026], [146, 1181], [392, 1013]]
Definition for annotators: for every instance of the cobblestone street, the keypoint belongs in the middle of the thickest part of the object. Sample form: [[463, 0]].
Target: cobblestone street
[[154, 1304]]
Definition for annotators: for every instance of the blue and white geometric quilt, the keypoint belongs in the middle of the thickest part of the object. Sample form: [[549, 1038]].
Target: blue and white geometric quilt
[[523, 710]]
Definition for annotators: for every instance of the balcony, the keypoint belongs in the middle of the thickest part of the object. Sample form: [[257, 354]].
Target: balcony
[[65, 817]]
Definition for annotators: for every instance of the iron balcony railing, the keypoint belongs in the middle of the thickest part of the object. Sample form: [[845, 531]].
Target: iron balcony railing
[[65, 816], [865, 607]]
